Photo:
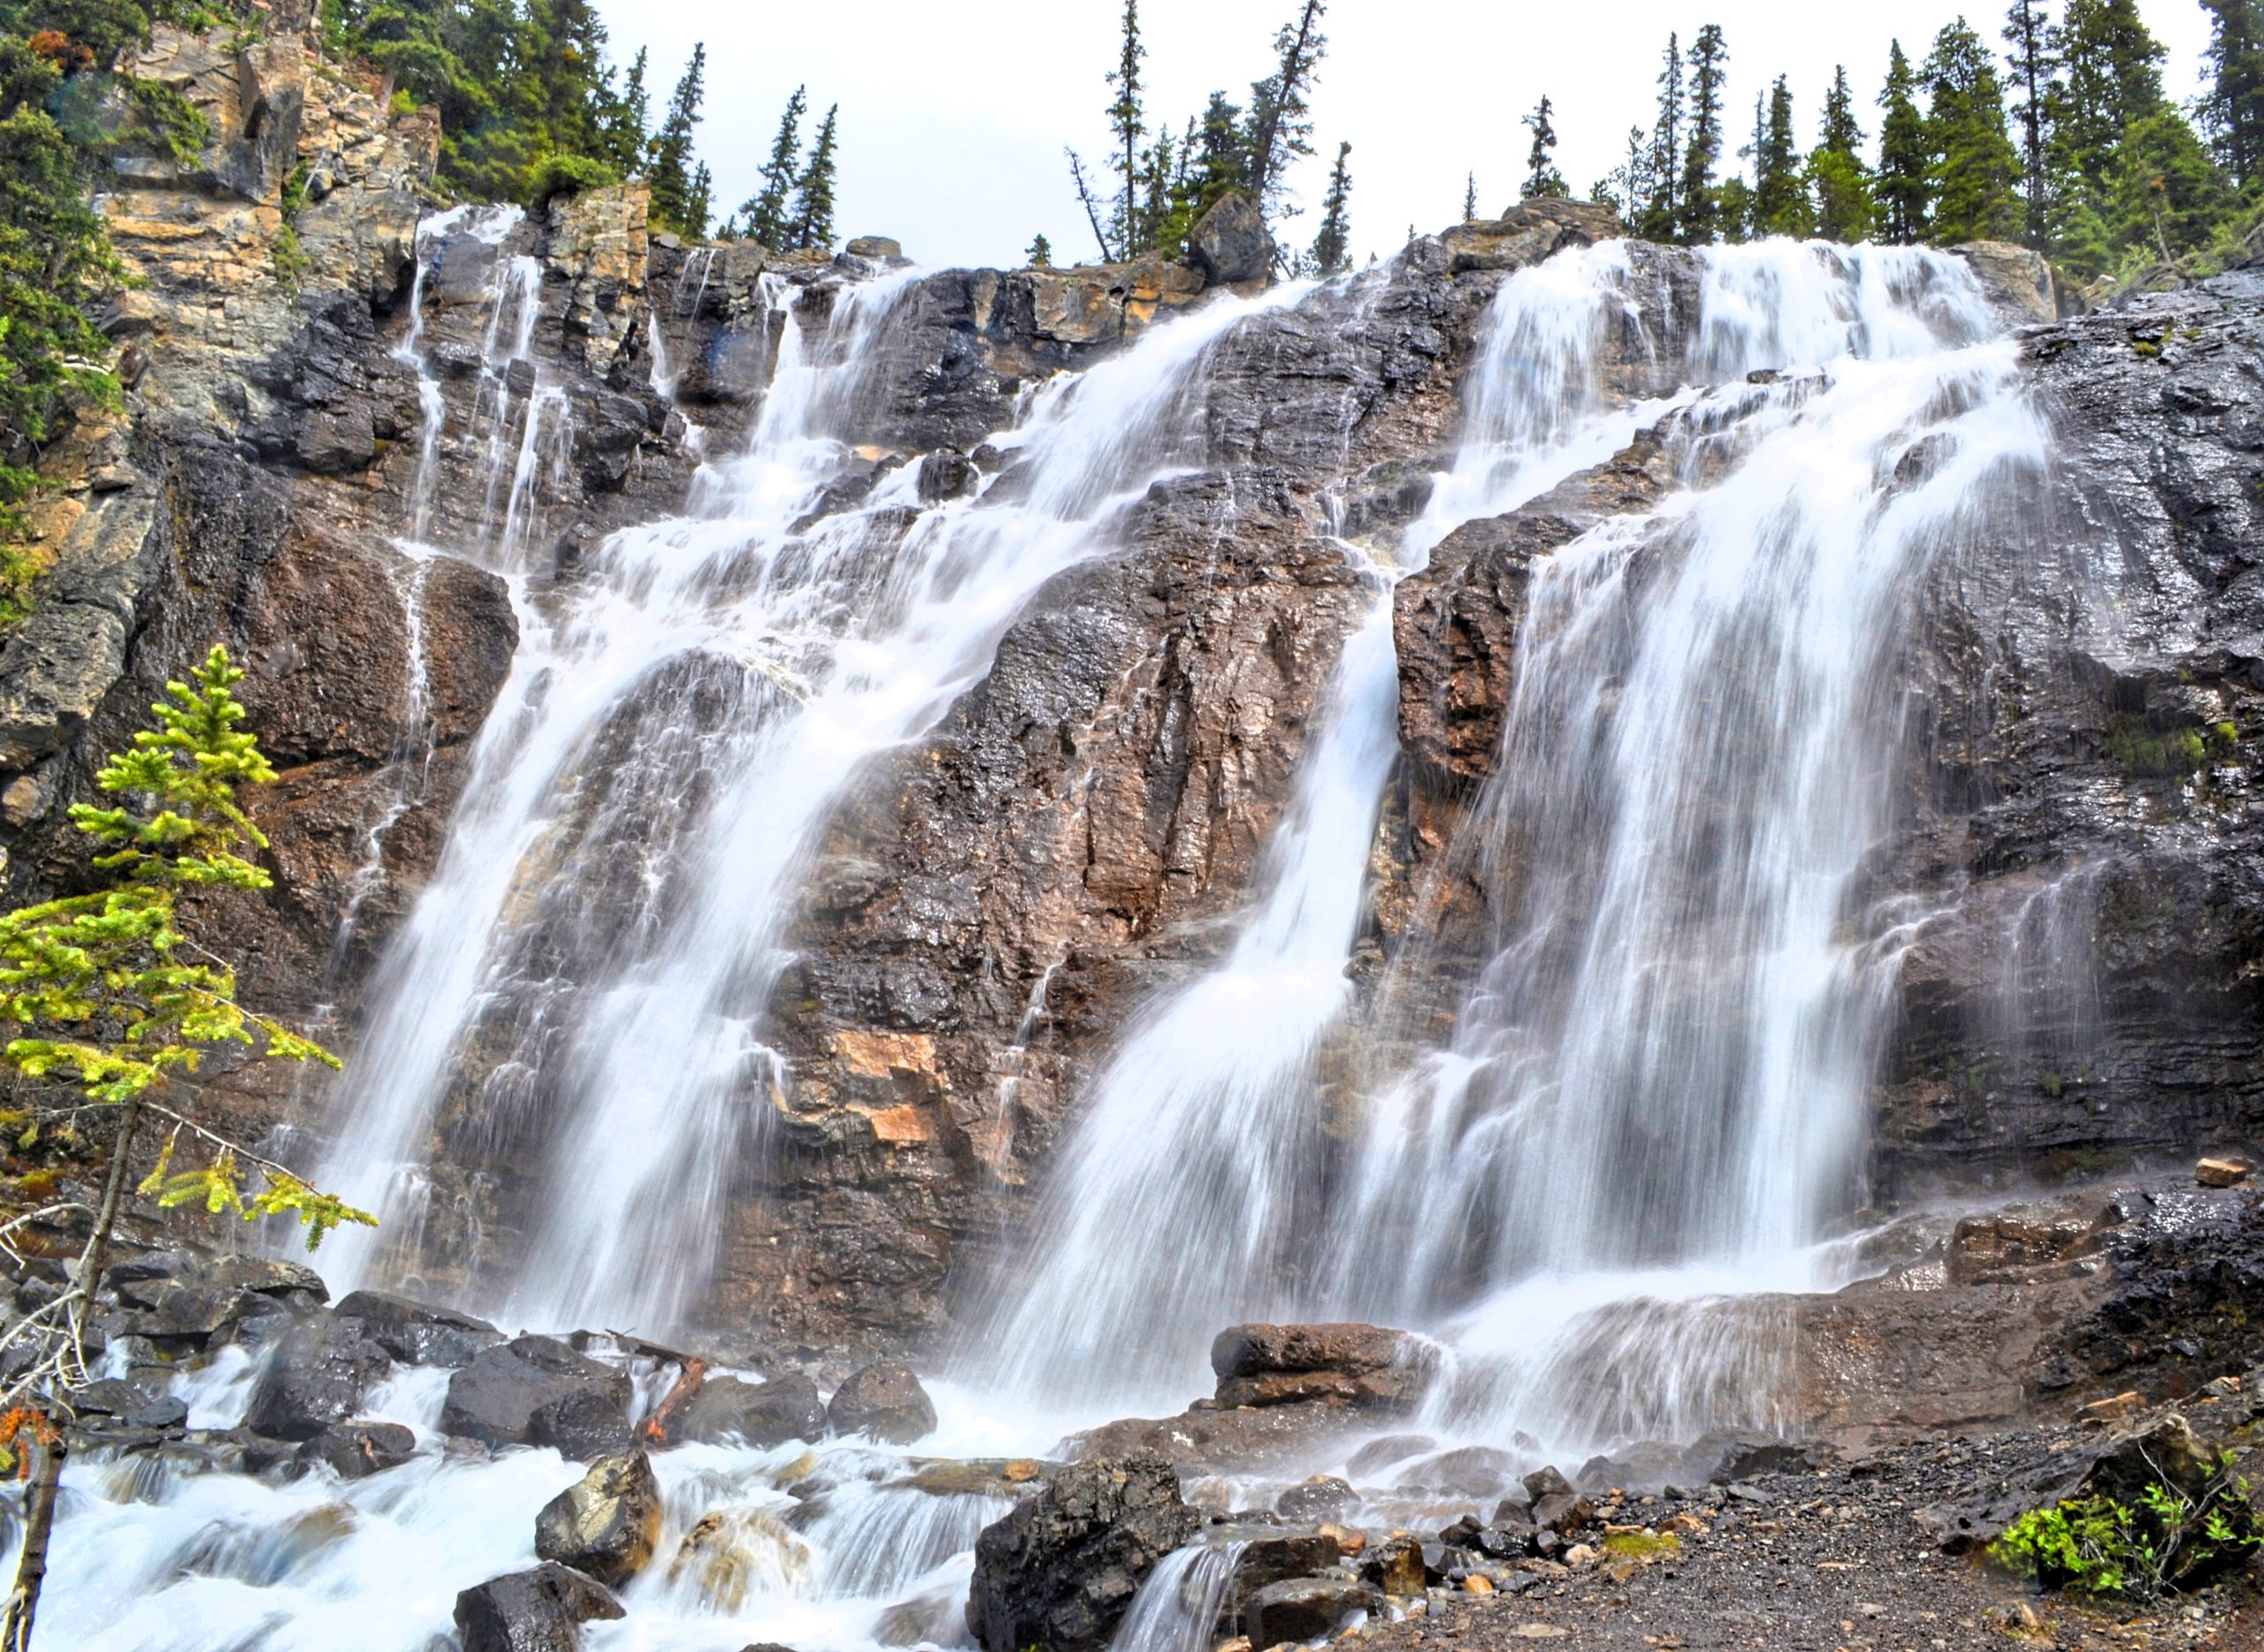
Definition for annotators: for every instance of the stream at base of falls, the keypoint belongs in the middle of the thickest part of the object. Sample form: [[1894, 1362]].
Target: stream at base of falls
[[1649, 1106]]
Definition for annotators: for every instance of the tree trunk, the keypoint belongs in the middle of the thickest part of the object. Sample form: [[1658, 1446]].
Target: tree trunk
[[38, 1500]]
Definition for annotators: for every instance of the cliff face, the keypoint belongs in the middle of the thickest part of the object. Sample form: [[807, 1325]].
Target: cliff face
[[323, 465]]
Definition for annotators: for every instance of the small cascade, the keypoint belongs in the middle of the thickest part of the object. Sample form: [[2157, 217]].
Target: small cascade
[[1179, 1606]]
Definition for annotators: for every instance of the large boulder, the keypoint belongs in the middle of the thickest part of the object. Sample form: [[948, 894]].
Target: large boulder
[[1305, 1609], [535, 1391], [1058, 1573], [607, 1522], [760, 1414], [356, 1450], [539, 1610], [1229, 243], [882, 1401], [315, 1376], [1361, 1365], [1526, 233], [416, 1333]]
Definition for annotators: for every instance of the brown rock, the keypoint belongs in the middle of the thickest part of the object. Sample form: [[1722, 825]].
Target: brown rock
[[2220, 1173], [606, 1524]]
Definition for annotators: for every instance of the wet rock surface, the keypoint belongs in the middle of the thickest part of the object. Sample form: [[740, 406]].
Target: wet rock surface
[[1060, 1571], [535, 1391], [606, 1524], [881, 1401], [762, 1414], [539, 1610]]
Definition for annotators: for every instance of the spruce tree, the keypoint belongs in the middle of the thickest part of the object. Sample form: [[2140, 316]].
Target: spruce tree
[[1280, 124], [766, 212], [1698, 209], [814, 191], [1839, 181], [1659, 208], [2028, 35], [1780, 204], [1127, 121], [1332, 248], [1904, 185], [1630, 185], [699, 203], [1220, 162], [1542, 181], [628, 126], [1040, 256], [2235, 104], [671, 160], [1975, 172], [1470, 199]]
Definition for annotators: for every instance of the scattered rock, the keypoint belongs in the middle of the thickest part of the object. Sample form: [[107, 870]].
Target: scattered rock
[[2220, 1173], [539, 1610], [356, 1450], [1396, 1566], [1556, 1506], [315, 1376], [762, 1414], [882, 1401], [606, 1524], [1060, 1569], [535, 1391]]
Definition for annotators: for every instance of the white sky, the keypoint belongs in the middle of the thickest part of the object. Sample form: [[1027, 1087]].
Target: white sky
[[953, 117]]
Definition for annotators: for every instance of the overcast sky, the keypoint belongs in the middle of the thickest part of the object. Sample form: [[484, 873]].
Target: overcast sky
[[953, 117]]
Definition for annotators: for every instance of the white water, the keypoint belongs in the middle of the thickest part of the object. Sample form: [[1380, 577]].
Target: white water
[[1646, 1108], [632, 841]]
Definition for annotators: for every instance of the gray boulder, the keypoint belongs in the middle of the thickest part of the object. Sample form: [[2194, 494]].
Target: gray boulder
[[762, 1414], [1305, 1609], [1229, 243], [605, 1525], [356, 1450], [882, 1401], [315, 1376], [535, 1391], [418, 1334], [1058, 1571], [539, 1610]]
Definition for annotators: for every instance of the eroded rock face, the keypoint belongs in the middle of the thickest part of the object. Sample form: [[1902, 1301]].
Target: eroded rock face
[[1058, 1573]]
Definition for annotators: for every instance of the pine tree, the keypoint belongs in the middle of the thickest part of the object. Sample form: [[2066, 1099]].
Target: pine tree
[[814, 191], [1542, 181], [1470, 199], [1332, 248], [1127, 121], [671, 158], [2030, 58], [1699, 209], [1630, 185], [628, 126], [1221, 158], [699, 203], [2235, 104], [1658, 211], [1040, 256], [1839, 182], [1780, 204], [766, 212], [1904, 185], [1280, 126], [1975, 173]]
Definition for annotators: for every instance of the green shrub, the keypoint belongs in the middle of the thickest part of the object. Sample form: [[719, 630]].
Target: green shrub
[[556, 175], [2099, 1546]]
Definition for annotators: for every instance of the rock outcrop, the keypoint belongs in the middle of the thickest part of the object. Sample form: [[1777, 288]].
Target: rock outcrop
[[1058, 1573]]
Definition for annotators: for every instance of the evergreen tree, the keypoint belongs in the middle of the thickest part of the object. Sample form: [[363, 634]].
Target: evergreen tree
[[1974, 172], [1332, 248], [1659, 209], [2164, 197], [2235, 104], [1541, 179], [672, 170], [1630, 185], [1780, 202], [1221, 158], [699, 203], [1040, 256], [1280, 126], [814, 191], [1127, 121], [2030, 58], [1839, 182], [628, 122], [1698, 209], [1904, 185], [766, 212], [1470, 199]]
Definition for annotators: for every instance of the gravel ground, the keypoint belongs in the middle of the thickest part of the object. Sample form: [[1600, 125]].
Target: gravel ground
[[1831, 1561]]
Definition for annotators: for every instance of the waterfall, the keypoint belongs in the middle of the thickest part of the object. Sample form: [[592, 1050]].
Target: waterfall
[[582, 986]]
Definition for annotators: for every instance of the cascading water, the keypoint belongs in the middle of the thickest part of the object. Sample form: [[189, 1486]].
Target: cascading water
[[676, 725]]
